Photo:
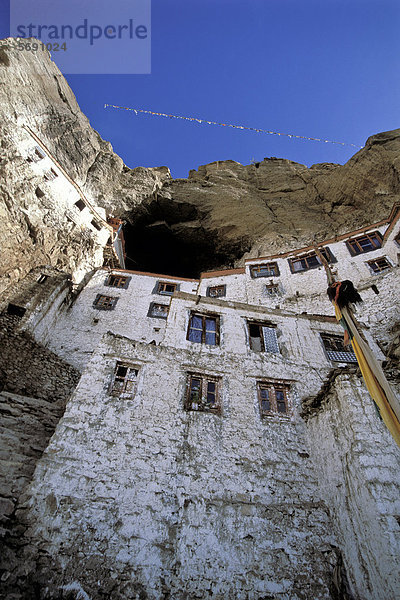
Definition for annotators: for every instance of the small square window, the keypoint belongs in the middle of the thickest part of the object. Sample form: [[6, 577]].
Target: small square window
[[166, 289], [159, 311], [364, 243], [105, 302], [42, 278], [124, 382], [80, 204], [269, 269], [263, 337], [118, 281], [336, 350], [50, 175], [17, 311], [202, 393], [203, 329], [273, 398], [379, 264], [216, 291]]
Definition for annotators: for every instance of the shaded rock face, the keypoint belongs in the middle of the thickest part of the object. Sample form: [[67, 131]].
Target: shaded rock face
[[221, 214]]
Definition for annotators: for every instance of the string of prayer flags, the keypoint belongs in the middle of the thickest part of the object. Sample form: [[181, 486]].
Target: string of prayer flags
[[243, 127]]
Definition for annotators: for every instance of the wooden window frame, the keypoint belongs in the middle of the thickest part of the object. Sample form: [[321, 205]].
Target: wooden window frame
[[305, 259], [124, 385], [151, 308], [273, 387], [203, 405], [161, 288], [117, 281], [272, 289], [335, 349], [273, 270], [103, 302], [260, 326], [204, 317], [212, 288], [355, 248], [376, 267]]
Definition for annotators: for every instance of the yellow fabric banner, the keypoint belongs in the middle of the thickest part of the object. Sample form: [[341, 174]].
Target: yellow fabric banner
[[374, 378]]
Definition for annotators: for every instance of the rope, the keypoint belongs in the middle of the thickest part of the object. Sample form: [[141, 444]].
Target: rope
[[255, 129]]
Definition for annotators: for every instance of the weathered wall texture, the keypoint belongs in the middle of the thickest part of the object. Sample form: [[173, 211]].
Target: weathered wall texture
[[358, 469], [174, 504]]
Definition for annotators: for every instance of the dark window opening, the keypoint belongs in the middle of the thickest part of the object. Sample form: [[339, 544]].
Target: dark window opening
[[95, 225], [42, 278], [216, 291], [336, 350], [273, 398], [374, 289], [310, 260], [80, 204], [39, 193], [364, 243], [202, 393], [269, 269], [203, 329], [263, 337], [17, 311], [124, 382], [379, 264]]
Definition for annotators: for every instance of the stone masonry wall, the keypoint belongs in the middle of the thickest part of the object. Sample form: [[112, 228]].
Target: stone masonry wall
[[358, 467]]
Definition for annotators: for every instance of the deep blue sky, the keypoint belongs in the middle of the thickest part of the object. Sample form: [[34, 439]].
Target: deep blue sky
[[320, 68]]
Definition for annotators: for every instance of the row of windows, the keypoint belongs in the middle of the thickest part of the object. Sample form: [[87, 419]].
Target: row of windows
[[203, 392], [205, 329], [311, 260]]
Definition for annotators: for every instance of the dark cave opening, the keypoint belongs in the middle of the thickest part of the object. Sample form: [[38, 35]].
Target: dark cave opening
[[169, 238]]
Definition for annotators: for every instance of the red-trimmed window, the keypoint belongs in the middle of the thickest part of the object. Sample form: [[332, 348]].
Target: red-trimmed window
[[269, 269]]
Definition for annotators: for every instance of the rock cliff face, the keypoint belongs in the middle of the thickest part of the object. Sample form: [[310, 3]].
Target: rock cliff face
[[221, 213]]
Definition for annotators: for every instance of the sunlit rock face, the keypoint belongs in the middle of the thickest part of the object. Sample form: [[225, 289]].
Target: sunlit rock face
[[221, 213]]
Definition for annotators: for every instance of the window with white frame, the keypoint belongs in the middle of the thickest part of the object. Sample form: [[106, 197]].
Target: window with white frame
[[202, 393], [124, 382], [262, 337]]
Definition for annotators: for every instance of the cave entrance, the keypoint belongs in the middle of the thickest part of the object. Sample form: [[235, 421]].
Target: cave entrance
[[168, 237]]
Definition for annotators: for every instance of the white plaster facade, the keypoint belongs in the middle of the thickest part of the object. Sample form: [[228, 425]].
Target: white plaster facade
[[138, 495]]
